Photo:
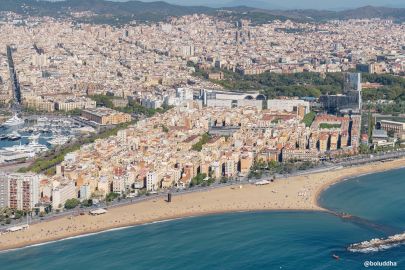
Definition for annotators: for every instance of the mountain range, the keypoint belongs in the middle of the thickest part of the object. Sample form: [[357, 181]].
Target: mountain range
[[122, 12], [291, 4]]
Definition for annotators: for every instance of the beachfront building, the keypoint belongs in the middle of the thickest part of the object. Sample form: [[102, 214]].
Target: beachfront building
[[152, 181], [300, 155], [330, 133], [85, 192], [3, 190], [230, 168], [118, 185], [62, 193], [19, 191]]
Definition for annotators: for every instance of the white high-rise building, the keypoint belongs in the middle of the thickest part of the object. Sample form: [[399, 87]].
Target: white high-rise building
[[119, 184], [151, 181], [188, 50], [184, 93], [40, 60]]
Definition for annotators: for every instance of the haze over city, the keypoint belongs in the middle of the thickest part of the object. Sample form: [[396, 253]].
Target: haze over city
[[291, 4]]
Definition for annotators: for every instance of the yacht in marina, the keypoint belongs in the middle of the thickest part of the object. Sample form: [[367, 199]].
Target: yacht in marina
[[13, 121], [14, 136], [21, 152], [34, 138], [42, 119], [59, 140]]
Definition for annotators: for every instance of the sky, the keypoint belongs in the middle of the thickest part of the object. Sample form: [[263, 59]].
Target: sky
[[291, 4]]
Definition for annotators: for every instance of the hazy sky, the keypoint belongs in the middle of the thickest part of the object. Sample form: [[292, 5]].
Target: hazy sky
[[291, 4]]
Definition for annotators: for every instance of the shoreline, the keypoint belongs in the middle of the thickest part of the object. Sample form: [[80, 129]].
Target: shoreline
[[296, 193], [112, 229], [349, 177]]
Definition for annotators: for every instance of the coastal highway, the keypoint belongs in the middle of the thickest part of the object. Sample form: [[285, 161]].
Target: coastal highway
[[326, 166]]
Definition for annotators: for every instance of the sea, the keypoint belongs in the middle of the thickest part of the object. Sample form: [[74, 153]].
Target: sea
[[245, 240], [43, 139]]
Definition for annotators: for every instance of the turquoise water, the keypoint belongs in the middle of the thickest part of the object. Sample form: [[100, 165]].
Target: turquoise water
[[260, 240], [376, 197]]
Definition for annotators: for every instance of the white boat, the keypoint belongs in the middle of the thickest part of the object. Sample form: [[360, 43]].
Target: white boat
[[33, 147], [83, 130], [42, 119], [21, 152], [13, 121], [14, 136], [59, 140], [34, 137]]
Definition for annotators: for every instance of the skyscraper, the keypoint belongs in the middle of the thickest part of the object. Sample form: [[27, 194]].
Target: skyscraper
[[352, 89], [350, 101]]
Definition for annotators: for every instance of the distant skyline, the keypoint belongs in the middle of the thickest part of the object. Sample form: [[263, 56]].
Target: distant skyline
[[289, 4]]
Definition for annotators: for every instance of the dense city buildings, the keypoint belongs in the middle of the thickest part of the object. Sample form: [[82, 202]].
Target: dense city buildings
[[161, 152], [62, 66], [116, 114], [149, 62]]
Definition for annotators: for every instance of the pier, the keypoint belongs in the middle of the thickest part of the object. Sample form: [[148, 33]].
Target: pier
[[366, 223], [377, 244]]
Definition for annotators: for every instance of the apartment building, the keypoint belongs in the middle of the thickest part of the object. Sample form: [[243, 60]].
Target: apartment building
[[152, 181], [63, 193], [4, 190], [298, 154], [75, 103], [23, 191], [394, 126]]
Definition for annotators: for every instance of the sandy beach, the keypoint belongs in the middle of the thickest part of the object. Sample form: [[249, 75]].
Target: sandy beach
[[294, 193]]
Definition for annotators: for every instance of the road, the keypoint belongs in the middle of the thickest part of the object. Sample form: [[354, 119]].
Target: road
[[14, 80], [326, 166]]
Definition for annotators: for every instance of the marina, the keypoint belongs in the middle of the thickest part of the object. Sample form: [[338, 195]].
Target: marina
[[13, 122], [22, 139], [22, 152]]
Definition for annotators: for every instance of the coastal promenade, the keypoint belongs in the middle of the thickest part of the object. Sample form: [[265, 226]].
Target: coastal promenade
[[346, 162], [298, 193]]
